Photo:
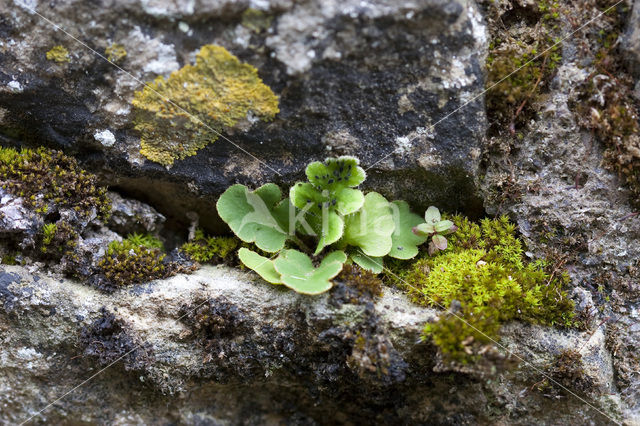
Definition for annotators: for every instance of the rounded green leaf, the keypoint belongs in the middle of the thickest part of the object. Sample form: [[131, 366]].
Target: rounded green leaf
[[370, 228], [297, 271], [270, 193], [404, 241], [424, 229], [304, 193], [316, 172], [371, 264], [335, 172], [251, 215], [260, 264], [443, 225], [432, 215], [349, 200]]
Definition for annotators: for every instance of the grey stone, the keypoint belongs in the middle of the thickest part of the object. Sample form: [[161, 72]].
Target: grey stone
[[366, 79], [17, 221], [223, 345], [591, 226], [130, 216]]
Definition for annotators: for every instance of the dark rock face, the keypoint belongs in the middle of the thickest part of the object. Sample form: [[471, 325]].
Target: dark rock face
[[365, 80]]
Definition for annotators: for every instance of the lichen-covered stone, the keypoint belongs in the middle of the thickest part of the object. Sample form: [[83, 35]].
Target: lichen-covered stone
[[58, 54], [353, 77], [367, 80], [182, 114], [115, 53]]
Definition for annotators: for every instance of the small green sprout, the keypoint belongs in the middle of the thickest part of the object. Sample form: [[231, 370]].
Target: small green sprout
[[144, 240], [436, 228], [48, 232]]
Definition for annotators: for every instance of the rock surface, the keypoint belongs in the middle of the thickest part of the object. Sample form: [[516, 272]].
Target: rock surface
[[553, 184], [631, 41], [219, 345], [367, 79], [362, 78]]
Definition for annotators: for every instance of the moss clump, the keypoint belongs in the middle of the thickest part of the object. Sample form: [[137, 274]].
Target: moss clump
[[135, 259], [566, 371], [363, 282], [58, 239], [213, 319], [143, 240], [108, 339], [205, 248], [58, 54], [484, 279], [48, 232], [10, 258], [115, 53], [43, 177], [216, 93], [518, 35]]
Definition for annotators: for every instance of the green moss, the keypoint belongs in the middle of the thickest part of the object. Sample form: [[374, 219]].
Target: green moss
[[115, 53], [485, 279], [363, 282], [205, 248], [128, 263], [514, 84], [566, 370], [48, 232], [58, 54], [44, 177], [9, 258], [57, 240], [143, 240], [217, 92]]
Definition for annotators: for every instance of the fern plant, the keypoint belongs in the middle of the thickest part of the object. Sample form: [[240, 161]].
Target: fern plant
[[326, 212]]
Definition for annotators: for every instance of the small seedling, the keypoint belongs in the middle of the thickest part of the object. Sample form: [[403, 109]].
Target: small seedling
[[436, 228]]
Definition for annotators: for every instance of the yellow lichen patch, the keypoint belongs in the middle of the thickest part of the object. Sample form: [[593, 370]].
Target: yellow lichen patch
[[115, 53], [256, 20], [182, 114], [58, 54]]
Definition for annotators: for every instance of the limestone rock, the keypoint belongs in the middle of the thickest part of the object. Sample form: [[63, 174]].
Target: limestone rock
[[221, 344]]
